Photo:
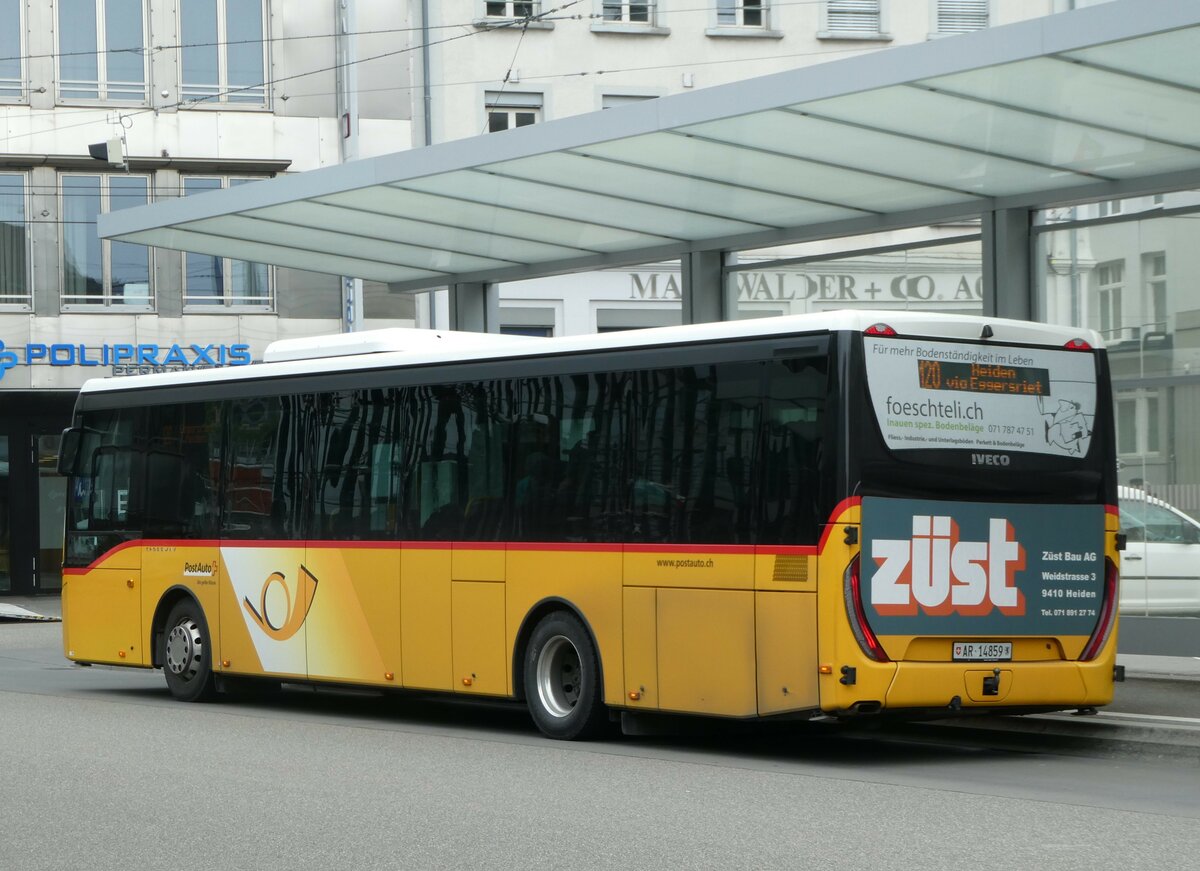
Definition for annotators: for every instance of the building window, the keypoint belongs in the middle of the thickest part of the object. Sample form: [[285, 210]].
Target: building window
[[961, 16], [1138, 430], [1110, 277], [512, 9], [12, 75], [97, 272], [526, 330], [851, 19], [224, 55], [741, 13], [102, 50], [1155, 268], [1107, 208], [612, 101], [14, 241], [629, 13], [507, 110], [210, 281]]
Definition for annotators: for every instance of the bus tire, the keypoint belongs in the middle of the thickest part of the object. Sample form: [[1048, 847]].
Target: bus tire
[[562, 679], [186, 654]]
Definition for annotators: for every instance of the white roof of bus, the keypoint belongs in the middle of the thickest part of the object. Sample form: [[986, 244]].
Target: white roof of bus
[[407, 347]]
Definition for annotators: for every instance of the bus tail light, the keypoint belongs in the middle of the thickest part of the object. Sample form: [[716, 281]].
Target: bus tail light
[[1078, 345], [858, 619], [879, 330], [1108, 613]]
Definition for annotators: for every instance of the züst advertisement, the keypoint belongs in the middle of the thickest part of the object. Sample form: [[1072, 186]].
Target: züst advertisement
[[929, 394], [979, 568]]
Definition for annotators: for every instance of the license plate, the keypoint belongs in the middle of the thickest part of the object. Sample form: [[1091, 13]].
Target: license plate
[[982, 651]]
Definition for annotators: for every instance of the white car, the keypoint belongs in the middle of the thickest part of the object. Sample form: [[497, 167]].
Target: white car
[[1160, 568]]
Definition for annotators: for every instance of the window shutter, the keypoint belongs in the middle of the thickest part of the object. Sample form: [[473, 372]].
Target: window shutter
[[961, 16], [854, 17]]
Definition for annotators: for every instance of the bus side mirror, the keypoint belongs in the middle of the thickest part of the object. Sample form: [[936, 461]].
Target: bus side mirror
[[68, 450]]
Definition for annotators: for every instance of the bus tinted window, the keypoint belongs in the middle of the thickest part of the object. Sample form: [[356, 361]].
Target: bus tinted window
[[694, 453], [263, 488], [567, 461], [183, 461], [455, 467], [356, 465], [794, 501], [105, 495]]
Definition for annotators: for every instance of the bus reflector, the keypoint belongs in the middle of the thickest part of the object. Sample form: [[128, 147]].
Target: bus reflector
[[858, 619], [1078, 345], [879, 330], [1108, 611]]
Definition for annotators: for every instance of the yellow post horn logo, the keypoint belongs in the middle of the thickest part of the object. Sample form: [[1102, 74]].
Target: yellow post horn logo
[[278, 624]]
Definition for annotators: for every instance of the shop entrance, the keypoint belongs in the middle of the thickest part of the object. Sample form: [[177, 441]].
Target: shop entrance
[[32, 494]]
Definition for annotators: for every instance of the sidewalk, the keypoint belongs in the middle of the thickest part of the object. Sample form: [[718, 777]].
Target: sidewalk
[[1161, 667]]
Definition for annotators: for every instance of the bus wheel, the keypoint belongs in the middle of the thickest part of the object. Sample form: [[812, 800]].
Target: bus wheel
[[562, 679], [186, 654]]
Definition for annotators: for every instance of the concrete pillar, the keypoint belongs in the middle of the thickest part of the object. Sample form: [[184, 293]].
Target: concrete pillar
[[1008, 282], [704, 296], [475, 307]]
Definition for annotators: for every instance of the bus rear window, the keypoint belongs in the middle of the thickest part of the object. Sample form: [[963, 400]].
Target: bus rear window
[[994, 399]]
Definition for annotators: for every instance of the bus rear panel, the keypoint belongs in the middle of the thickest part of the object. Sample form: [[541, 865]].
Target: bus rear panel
[[980, 563]]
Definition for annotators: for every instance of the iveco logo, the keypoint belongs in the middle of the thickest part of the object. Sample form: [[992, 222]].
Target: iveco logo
[[990, 459]]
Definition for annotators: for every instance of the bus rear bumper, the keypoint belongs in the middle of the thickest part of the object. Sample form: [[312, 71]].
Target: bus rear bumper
[[981, 685]]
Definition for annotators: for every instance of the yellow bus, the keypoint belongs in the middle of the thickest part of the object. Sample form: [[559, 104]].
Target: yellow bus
[[836, 514]]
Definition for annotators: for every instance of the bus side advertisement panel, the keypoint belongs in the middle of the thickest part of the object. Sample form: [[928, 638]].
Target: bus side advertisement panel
[[960, 569]]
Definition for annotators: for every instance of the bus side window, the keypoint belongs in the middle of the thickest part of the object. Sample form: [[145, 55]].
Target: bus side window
[[108, 488], [695, 453], [263, 468], [793, 452], [354, 487], [437, 463], [182, 459], [590, 498]]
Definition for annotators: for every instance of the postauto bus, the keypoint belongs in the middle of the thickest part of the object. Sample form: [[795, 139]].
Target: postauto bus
[[834, 514]]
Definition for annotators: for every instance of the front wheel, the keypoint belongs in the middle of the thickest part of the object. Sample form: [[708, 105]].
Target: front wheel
[[186, 654], [562, 678]]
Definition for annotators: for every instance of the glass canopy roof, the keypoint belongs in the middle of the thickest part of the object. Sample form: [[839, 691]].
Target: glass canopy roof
[[1101, 102]]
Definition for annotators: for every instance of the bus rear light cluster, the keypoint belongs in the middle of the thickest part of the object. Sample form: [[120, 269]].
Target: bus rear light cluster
[[879, 330], [858, 619], [1078, 345], [1108, 613]]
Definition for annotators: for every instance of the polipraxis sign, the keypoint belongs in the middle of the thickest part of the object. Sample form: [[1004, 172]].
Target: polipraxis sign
[[123, 358]]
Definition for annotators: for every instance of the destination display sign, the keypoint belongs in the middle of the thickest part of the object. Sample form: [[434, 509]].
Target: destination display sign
[[983, 378]]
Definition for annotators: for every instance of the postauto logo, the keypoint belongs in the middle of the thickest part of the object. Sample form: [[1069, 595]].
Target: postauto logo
[[127, 359]]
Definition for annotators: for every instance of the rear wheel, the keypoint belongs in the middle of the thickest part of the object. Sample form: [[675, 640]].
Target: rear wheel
[[186, 654], [562, 678]]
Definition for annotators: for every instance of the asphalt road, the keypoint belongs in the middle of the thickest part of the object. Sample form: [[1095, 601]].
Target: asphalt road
[[102, 770]]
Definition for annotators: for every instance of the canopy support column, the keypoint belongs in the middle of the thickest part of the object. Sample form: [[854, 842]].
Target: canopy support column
[[1008, 264], [475, 307], [704, 296]]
